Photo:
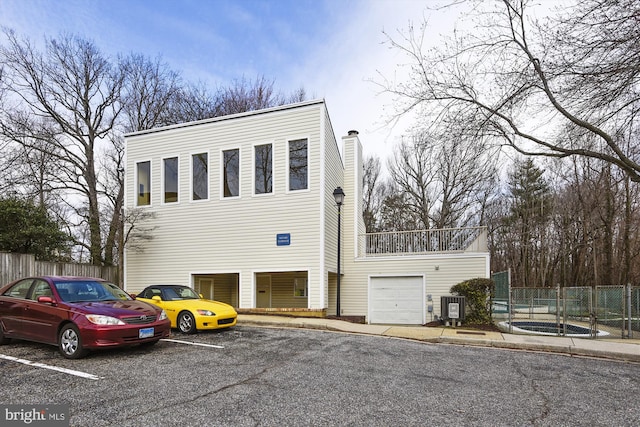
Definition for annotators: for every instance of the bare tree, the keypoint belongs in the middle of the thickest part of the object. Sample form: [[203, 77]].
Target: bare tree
[[411, 172], [444, 177], [244, 95], [64, 110], [464, 171], [523, 80], [76, 90], [374, 193], [394, 215], [151, 93]]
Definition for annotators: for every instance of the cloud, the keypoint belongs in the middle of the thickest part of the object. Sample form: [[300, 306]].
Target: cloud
[[344, 68], [332, 48]]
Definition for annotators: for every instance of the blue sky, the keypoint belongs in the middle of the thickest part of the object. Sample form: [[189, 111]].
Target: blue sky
[[332, 48]]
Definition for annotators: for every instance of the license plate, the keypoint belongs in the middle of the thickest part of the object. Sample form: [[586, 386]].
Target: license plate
[[146, 333]]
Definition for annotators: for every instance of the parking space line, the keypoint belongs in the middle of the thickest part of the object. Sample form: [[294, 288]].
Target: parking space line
[[53, 368], [192, 343]]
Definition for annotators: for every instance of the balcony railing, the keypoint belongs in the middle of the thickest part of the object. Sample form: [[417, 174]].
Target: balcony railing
[[400, 243]]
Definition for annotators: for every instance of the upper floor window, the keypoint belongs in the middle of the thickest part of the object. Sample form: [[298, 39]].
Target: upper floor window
[[263, 169], [298, 165], [231, 173], [170, 180], [200, 176], [143, 172]]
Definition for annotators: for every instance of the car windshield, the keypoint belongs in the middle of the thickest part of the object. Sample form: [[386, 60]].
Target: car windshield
[[179, 293], [89, 290]]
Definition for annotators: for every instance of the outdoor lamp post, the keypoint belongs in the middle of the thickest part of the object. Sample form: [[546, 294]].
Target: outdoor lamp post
[[338, 194]]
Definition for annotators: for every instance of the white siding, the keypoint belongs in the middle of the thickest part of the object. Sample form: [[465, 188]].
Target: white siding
[[230, 235], [441, 271], [237, 236]]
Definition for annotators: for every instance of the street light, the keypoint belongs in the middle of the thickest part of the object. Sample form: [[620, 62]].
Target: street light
[[338, 194]]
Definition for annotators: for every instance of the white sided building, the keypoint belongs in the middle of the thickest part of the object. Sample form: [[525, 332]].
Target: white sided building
[[241, 208]]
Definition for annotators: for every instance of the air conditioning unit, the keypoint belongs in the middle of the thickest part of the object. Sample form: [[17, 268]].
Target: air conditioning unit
[[452, 308]]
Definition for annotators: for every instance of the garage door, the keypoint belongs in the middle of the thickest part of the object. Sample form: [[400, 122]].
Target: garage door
[[397, 300]]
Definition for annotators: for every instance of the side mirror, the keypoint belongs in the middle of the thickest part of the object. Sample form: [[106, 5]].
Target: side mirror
[[156, 298], [45, 300]]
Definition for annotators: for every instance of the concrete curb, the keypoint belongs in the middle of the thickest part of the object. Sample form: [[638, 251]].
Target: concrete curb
[[613, 350]]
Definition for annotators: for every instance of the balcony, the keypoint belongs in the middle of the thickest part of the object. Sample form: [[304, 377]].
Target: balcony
[[423, 242]]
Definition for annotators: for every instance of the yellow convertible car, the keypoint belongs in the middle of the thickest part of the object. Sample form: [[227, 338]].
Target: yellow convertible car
[[187, 310]]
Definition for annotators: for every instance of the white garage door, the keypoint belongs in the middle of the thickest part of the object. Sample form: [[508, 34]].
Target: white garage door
[[397, 300]]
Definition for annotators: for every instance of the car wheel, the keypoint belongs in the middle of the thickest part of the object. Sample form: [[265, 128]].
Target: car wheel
[[70, 343], [3, 340], [186, 323]]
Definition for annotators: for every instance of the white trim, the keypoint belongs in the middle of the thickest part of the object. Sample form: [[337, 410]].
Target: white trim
[[282, 109], [162, 179], [323, 273], [424, 291], [444, 255], [306, 287], [136, 188], [357, 175], [221, 172], [253, 169], [191, 154], [287, 165]]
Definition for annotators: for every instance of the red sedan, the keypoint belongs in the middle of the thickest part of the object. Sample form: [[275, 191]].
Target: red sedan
[[77, 314]]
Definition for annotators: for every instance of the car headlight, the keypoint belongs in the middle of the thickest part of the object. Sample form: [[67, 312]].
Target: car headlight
[[206, 312], [103, 320], [163, 315]]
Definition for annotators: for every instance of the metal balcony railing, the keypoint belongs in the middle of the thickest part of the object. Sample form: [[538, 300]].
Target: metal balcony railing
[[401, 243]]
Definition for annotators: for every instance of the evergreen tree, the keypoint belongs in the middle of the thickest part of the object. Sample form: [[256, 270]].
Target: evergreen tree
[[528, 220], [27, 228]]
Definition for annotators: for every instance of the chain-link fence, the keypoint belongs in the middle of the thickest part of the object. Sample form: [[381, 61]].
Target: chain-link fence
[[599, 311]]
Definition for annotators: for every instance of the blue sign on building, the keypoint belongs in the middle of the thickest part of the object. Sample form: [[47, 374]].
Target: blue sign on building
[[283, 239]]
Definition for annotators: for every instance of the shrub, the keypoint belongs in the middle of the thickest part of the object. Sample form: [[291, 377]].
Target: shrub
[[478, 293]]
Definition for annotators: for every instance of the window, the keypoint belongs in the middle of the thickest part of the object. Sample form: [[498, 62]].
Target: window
[[298, 165], [144, 183], [171, 180], [231, 172], [263, 169], [200, 176], [149, 293], [20, 289], [300, 287], [41, 289]]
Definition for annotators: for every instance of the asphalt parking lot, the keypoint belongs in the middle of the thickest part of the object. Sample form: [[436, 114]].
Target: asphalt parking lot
[[252, 376]]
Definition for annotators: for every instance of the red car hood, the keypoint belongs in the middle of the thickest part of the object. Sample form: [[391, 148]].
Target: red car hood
[[115, 308]]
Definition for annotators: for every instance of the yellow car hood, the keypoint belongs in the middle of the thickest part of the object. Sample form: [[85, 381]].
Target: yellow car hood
[[217, 307]]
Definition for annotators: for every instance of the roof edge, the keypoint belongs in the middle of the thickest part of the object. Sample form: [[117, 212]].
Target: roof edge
[[227, 117]]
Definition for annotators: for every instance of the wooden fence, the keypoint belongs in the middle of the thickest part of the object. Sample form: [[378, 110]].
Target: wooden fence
[[14, 266]]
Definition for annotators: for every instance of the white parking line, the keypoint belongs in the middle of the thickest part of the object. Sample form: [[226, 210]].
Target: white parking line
[[53, 368], [192, 343]]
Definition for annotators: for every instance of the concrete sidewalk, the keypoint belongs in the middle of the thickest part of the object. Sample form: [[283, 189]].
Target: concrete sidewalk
[[618, 349]]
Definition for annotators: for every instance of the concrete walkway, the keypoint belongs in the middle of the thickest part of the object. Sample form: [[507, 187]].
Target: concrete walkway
[[618, 349]]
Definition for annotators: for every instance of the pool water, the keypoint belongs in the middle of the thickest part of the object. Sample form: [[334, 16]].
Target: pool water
[[548, 328]]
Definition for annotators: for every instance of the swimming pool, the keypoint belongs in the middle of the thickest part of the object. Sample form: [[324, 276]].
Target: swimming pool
[[529, 327]]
